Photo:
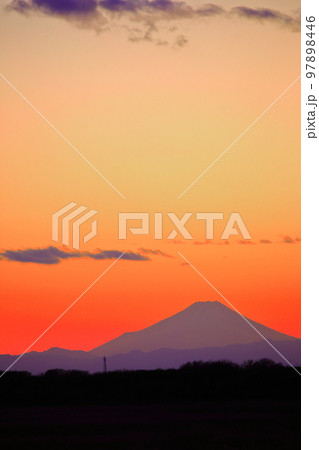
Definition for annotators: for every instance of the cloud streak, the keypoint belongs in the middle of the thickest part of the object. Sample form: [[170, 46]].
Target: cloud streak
[[154, 252], [53, 255], [99, 14], [268, 15], [284, 240], [147, 16]]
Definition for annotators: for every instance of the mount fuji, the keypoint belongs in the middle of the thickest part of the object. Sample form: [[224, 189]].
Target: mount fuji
[[203, 324], [206, 331]]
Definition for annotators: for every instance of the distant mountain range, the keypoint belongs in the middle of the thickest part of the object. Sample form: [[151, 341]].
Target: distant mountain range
[[203, 331]]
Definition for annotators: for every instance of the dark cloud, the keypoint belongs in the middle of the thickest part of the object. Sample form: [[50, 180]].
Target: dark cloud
[[144, 10], [55, 7], [268, 15], [66, 6], [54, 255], [113, 254], [160, 9], [102, 14], [119, 5], [153, 17], [83, 13]]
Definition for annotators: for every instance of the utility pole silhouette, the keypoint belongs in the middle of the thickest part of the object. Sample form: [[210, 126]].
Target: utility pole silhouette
[[104, 364]]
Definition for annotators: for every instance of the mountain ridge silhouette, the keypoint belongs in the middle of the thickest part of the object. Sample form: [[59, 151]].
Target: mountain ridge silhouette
[[200, 325], [206, 331]]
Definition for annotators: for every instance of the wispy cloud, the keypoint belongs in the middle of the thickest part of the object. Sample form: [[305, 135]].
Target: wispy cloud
[[53, 255], [102, 14], [154, 252], [284, 240], [145, 19], [288, 240], [268, 15]]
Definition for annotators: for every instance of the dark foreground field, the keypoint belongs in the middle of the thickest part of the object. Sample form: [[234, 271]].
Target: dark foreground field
[[201, 406]]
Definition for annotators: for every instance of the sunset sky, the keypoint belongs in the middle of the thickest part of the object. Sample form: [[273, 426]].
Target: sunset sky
[[151, 96]]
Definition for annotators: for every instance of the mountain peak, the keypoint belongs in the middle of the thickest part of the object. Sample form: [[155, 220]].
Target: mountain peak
[[207, 302], [208, 305], [202, 324]]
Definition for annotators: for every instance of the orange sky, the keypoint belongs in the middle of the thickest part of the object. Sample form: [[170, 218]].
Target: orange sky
[[151, 119]]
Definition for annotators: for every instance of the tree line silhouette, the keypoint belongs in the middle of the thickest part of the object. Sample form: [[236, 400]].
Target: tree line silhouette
[[193, 382]]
